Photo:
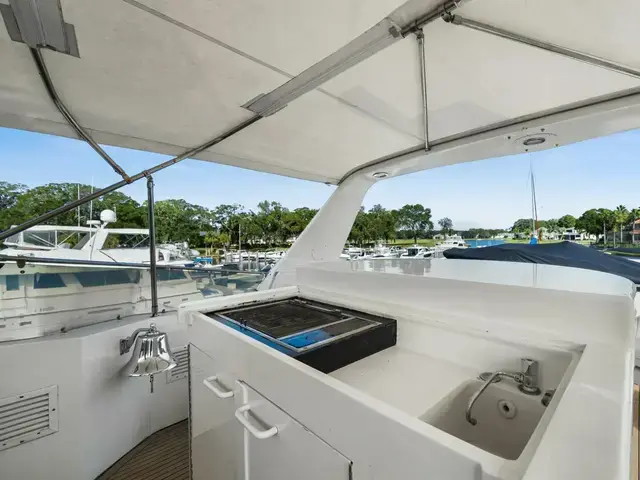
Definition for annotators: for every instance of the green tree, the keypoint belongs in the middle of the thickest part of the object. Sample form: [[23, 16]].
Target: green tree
[[225, 219], [522, 225], [22, 203], [596, 221], [567, 221], [621, 218], [382, 223], [34, 202], [270, 219], [297, 220], [216, 239], [129, 213], [178, 220], [416, 219], [361, 231], [446, 225], [553, 225], [9, 193]]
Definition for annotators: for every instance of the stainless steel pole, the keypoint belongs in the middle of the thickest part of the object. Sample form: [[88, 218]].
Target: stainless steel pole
[[103, 191], [240, 264], [423, 84], [48, 83], [152, 247], [549, 47], [444, 9]]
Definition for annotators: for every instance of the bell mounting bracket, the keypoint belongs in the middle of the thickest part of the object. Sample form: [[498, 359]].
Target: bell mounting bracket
[[127, 343]]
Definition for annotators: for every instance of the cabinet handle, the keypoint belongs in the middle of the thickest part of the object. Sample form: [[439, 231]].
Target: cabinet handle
[[259, 434], [219, 393]]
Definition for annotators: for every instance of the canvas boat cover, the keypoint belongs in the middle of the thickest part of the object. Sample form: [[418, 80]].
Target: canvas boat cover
[[168, 75], [565, 254]]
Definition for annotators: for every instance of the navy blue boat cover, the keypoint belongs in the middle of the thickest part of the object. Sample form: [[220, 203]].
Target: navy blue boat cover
[[566, 254]]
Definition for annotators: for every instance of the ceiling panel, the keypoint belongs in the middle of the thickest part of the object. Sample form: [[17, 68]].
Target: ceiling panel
[[146, 81], [147, 78], [473, 79], [387, 86], [607, 29], [290, 35], [317, 134], [477, 79]]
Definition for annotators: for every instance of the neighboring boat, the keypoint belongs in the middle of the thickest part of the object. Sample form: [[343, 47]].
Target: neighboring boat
[[274, 255], [451, 241], [95, 242], [384, 252], [417, 251], [41, 299]]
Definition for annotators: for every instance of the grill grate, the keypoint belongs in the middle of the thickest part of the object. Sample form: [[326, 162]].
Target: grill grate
[[28, 416], [181, 370]]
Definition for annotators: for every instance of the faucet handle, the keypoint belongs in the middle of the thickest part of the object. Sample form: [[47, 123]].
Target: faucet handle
[[529, 366], [530, 375]]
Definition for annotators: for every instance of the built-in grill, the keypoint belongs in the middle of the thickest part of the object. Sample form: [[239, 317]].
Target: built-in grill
[[320, 335]]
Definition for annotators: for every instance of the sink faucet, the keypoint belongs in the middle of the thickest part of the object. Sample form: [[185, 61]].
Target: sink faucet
[[527, 381]]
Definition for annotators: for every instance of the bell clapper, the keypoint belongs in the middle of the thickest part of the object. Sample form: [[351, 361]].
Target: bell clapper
[[151, 382]]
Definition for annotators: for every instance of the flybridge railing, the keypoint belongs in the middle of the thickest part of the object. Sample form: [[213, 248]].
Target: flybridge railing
[[23, 259], [45, 296]]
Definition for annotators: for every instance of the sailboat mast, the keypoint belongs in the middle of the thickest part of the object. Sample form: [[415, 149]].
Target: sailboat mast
[[534, 206]]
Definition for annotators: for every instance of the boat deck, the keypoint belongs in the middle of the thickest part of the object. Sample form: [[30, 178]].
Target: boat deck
[[161, 456], [165, 454]]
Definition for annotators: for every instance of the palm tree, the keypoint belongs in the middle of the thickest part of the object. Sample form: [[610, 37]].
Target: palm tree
[[621, 217]]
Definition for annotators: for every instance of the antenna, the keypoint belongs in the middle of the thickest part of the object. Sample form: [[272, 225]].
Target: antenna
[[534, 206], [78, 209], [91, 203]]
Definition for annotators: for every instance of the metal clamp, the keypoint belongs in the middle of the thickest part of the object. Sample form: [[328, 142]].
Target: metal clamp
[[218, 393], [127, 343], [259, 434]]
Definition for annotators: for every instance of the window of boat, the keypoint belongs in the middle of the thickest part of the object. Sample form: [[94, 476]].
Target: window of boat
[[83, 241], [12, 282], [164, 275], [107, 277], [47, 280]]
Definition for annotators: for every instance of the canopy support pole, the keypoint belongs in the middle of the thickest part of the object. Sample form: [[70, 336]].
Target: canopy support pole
[[152, 247], [549, 47], [103, 191], [82, 133], [423, 86]]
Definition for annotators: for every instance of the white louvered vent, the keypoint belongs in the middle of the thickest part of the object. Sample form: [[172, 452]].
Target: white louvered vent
[[28, 416], [181, 370]]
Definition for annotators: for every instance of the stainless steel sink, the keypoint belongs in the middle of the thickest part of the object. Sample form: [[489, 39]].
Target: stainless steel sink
[[506, 418]]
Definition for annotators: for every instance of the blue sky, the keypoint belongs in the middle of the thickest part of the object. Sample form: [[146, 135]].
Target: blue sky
[[604, 172]]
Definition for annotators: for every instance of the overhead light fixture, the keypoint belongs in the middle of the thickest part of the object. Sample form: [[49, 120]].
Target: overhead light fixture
[[40, 24], [380, 175], [534, 141]]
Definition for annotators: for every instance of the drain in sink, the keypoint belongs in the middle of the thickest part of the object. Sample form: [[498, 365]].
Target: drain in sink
[[507, 409]]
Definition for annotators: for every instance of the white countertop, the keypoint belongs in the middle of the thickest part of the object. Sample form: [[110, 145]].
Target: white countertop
[[588, 436], [406, 380]]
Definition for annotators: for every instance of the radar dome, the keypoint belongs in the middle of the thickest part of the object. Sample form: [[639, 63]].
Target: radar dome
[[107, 216]]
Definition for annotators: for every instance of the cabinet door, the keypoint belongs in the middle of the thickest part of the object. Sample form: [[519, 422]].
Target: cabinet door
[[279, 448], [217, 448]]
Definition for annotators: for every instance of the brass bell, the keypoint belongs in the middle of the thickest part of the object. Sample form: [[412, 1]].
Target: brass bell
[[151, 353]]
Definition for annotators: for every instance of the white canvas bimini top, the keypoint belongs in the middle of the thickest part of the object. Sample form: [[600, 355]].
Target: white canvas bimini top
[[165, 75]]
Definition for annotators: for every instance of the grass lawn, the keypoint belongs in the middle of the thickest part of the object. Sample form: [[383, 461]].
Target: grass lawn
[[629, 254], [404, 242]]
